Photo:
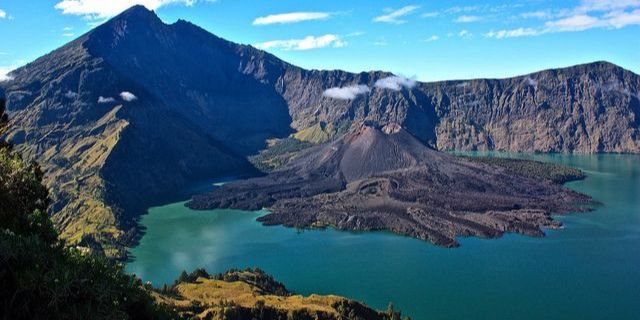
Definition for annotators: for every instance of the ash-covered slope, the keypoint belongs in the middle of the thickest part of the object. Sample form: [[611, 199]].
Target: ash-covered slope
[[386, 179]]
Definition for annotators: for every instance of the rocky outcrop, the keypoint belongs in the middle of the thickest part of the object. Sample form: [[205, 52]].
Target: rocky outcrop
[[198, 105]]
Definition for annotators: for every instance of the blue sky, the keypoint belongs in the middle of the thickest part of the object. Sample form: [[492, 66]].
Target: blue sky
[[428, 40]]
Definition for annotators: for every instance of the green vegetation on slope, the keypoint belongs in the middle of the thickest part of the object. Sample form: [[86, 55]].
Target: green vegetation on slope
[[278, 154], [317, 133], [281, 151], [534, 169]]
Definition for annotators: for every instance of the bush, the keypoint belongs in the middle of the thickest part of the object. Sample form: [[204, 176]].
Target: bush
[[23, 197], [44, 281]]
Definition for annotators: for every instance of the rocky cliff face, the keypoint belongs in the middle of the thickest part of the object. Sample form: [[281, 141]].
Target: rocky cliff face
[[587, 108], [137, 108]]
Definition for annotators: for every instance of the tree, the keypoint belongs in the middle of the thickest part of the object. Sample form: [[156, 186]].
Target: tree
[[24, 199], [4, 119], [392, 313]]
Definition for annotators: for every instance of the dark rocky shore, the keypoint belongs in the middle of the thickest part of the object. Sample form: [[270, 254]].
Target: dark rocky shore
[[386, 179]]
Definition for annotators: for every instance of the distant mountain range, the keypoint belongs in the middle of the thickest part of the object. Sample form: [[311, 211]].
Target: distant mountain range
[[137, 108]]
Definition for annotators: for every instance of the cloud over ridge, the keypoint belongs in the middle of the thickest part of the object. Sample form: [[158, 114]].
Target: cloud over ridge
[[346, 93], [102, 99], [395, 83], [128, 96]]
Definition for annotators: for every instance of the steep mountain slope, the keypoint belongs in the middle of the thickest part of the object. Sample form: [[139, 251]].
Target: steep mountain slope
[[194, 106], [586, 108], [104, 156], [386, 179]]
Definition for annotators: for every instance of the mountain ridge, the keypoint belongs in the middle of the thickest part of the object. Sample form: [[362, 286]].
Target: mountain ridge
[[203, 104]]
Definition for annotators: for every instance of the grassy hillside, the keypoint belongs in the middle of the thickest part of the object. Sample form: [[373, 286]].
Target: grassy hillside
[[317, 133], [252, 294]]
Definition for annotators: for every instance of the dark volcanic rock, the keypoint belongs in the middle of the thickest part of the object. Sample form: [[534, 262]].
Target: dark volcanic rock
[[387, 179], [204, 104]]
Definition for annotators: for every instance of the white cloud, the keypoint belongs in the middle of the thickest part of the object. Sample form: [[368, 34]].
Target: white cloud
[[4, 73], [465, 34], [489, 11], [462, 9], [513, 33], [346, 93], [607, 5], [430, 14], [536, 15], [570, 24], [102, 99], [621, 19], [530, 82], [590, 14], [432, 38], [291, 17], [99, 9], [355, 34], [307, 43], [467, 19], [574, 23], [3, 14], [393, 16], [395, 83], [71, 95], [68, 34], [128, 96]]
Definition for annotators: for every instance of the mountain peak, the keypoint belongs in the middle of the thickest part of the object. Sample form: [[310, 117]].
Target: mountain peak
[[138, 10], [137, 14]]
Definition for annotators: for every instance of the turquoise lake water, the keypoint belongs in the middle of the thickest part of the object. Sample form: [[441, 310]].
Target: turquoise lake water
[[588, 270]]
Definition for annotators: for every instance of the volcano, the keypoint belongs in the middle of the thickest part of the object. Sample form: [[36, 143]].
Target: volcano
[[383, 178]]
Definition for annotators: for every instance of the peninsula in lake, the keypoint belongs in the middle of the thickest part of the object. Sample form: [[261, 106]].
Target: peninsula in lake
[[384, 178]]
